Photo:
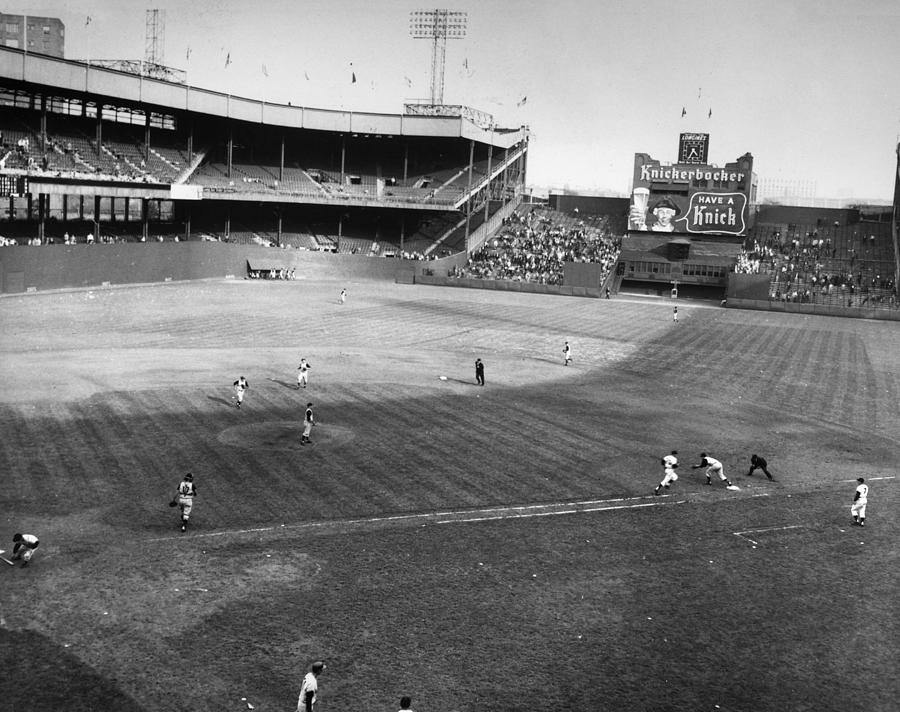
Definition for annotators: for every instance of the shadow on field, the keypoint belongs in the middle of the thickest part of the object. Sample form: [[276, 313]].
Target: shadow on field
[[285, 384], [54, 679], [223, 401]]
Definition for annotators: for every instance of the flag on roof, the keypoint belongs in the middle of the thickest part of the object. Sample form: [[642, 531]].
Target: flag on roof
[[87, 21], [306, 75], [265, 71], [227, 60], [408, 81], [710, 114], [683, 112], [187, 54], [353, 78], [522, 103]]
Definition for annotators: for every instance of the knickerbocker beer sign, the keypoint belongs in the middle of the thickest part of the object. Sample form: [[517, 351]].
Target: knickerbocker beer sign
[[691, 198]]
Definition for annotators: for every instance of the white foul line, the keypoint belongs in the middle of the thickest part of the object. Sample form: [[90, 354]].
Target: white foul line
[[760, 531], [454, 516]]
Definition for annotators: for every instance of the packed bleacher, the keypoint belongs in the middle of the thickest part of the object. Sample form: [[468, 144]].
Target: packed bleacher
[[535, 243], [848, 266]]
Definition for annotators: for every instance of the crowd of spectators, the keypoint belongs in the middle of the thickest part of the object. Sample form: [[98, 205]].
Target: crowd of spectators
[[535, 245], [814, 269]]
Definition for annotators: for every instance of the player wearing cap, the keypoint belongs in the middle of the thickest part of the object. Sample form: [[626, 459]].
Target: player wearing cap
[[303, 373], [860, 497], [184, 498], [567, 353], [757, 462], [713, 467], [310, 688], [240, 386], [308, 422], [669, 463], [23, 547]]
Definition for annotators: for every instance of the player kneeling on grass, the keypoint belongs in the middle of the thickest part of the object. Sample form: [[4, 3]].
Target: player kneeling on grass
[[713, 467], [669, 463], [23, 547]]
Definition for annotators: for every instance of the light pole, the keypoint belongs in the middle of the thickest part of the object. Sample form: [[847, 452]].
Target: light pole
[[437, 25]]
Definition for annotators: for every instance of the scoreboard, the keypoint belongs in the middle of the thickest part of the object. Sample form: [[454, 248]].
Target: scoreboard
[[13, 186]]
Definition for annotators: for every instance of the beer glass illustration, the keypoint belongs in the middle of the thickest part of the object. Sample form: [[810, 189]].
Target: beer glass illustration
[[638, 214]]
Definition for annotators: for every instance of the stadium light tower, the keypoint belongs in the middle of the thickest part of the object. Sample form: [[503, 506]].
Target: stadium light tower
[[155, 37], [438, 26]]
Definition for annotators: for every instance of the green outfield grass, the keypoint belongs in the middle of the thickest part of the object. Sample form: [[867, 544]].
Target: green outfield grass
[[495, 548]]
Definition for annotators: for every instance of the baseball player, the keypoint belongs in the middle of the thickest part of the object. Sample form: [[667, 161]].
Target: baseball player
[[479, 371], [669, 463], [23, 547], [303, 373], [343, 297], [858, 508], [310, 687], [713, 467], [308, 422], [184, 498], [757, 462], [675, 313], [567, 353], [240, 387]]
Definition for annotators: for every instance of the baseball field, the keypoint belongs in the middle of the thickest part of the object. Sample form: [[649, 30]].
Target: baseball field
[[491, 548]]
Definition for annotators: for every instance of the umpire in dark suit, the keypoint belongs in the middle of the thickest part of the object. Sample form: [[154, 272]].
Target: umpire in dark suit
[[479, 372], [757, 462]]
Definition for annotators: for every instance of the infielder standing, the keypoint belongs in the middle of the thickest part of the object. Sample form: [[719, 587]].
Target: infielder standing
[[343, 297], [858, 508], [240, 386], [713, 467], [184, 498], [310, 688], [303, 373], [567, 353], [308, 422], [669, 463], [23, 547]]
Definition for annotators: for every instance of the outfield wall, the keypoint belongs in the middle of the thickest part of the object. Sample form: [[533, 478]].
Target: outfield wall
[[43, 267], [508, 285]]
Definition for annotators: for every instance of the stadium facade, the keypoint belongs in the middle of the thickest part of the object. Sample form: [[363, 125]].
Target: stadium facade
[[92, 154]]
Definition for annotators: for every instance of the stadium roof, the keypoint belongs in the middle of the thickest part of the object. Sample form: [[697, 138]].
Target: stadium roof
[[82, 78]]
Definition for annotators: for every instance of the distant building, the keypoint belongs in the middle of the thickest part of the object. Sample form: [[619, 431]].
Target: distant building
[[42, 35]]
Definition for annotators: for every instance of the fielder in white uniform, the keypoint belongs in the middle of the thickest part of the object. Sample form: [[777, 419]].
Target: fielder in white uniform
[[713, 467], [858, 508], [308, 422], [240, 387], [669, 463], [310, 688], [23, 547], [567, 353], [303, 373]]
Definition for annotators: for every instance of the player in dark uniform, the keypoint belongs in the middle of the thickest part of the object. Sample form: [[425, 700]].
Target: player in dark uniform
[[479, 371], [757, 462]]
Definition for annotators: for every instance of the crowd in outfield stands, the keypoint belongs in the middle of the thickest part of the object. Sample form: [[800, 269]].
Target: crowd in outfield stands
[[534, 247], [813, 270]]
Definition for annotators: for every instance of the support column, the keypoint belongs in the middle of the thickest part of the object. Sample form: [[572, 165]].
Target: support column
[[230, 150], [343, 156], [281, 161], [42, 204], [469, 190], [145, 218], [96, 218]]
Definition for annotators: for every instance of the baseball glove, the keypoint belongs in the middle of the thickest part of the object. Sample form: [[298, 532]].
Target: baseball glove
[[173, 503]]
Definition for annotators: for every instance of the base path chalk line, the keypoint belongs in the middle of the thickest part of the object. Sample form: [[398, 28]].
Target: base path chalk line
[[453, 516], [743, 534]]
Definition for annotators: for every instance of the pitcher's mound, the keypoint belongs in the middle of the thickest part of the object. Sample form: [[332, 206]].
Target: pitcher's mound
[[282, 435]]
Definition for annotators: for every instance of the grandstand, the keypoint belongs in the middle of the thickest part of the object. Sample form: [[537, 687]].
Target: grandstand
[[113, 157]]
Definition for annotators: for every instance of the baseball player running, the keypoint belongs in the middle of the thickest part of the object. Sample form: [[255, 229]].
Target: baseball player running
[[713, 467], [23, 547], [669, 463], [240, 387]]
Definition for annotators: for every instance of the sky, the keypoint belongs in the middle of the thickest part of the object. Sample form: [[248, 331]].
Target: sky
[[810, 88]]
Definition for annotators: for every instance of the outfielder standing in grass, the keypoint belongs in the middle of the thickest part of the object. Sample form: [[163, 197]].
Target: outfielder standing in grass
[[310, 687], [860, 497], [308, 422], [303, 373], [240, 386], [713, 467], [184, 498], [567, 353], [479, 372], [669, 463]]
